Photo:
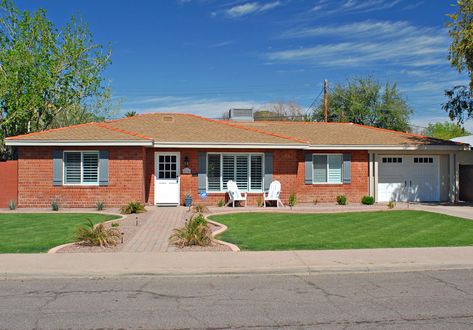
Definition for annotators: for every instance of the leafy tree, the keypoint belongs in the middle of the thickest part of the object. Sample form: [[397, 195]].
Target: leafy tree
[[445, 131], [459, 105], [365, 101], [460, 99], [49, 76], [461, 32]]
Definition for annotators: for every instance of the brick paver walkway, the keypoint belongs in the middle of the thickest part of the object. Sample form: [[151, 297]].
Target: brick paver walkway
[[154, 234]]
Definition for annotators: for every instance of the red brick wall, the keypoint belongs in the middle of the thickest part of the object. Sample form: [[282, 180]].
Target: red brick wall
[[8, 182], [35, 176], [288, 168]]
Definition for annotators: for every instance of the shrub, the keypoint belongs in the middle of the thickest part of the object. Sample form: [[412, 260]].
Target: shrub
[[132, 207], [221, 203], [259, 201], [392, 204], [54, 206], [200, 208], [12, 205], [115, 225], [292, 199], [196, 231], [367, 200], [342, 200], [100, 206], [200, 219], [97, 235]]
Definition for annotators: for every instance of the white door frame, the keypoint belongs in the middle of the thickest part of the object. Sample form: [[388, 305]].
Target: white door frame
[[173, 199]]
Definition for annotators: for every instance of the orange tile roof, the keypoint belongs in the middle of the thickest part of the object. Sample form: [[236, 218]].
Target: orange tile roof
[[179, 128], [86, 132], [316, 133]]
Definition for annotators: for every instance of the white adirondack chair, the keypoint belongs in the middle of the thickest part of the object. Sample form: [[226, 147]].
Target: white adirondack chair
[[235, 194], [273, 194]]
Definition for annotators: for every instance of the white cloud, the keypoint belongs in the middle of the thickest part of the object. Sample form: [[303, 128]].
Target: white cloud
[[222, 44], [359, 6], [212, 108], [364, 29], [251, 8], [366, 43]]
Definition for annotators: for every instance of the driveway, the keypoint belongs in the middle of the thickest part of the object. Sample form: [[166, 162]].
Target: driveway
[[462, 211]]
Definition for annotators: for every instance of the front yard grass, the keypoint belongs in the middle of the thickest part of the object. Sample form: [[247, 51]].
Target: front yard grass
[[38, 232], [384, 229]]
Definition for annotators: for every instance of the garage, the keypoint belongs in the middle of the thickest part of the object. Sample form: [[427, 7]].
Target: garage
[[466, 183], [408, 178]]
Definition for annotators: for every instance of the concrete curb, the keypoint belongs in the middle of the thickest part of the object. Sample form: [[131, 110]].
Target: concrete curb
[[59, 247], [177, 272], [222, 229]]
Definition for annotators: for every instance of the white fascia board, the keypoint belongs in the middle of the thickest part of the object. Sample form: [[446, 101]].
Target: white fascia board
[[387, 147], [47, 143], [228, 145]]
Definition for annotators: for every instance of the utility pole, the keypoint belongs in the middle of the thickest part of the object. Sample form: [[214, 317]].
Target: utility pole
[[325, 100]]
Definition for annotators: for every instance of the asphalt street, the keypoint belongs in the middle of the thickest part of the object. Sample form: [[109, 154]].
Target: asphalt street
[[410, 300]]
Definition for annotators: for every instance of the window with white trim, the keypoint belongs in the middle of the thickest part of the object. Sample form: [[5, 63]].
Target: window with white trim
[[327, 168], [81, 167], [245, 169]]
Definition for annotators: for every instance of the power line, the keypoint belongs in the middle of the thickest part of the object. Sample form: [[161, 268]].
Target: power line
[[314, 101]]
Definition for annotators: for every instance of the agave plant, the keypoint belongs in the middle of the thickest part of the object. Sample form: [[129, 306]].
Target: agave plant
[[97, 235], [196, 231]]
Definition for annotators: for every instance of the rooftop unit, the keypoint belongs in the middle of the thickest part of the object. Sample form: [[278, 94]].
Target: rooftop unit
[[241, 114]]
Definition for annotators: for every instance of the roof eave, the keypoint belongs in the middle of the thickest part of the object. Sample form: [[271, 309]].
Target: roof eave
[[388, 147], [77, 143], [227, 145]]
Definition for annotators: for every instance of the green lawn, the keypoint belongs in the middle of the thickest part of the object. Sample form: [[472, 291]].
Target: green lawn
[[31, 233], [385, 229]]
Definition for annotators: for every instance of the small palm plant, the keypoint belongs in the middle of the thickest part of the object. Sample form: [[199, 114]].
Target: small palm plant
[[133, 207], [97, 235], [196, 231], [200, 208]]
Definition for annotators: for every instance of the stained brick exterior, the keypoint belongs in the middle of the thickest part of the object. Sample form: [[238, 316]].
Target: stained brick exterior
[[8, 182], [131, 177], [35, 177], [288, 168]]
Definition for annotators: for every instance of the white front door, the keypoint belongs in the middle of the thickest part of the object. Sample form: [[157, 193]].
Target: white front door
[[167, 182], [408, 178]]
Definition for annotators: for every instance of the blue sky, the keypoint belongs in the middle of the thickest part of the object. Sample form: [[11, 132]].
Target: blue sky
[[209, 55]]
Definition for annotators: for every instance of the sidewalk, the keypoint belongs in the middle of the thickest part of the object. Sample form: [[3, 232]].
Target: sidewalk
[[218, 263]]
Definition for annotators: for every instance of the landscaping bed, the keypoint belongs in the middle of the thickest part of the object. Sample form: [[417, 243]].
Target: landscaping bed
[[127, 226], [39, 232], [214, 247], [354, 230]]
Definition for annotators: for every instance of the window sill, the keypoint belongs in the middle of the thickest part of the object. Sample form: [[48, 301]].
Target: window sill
[[81, 185], [224, 192]]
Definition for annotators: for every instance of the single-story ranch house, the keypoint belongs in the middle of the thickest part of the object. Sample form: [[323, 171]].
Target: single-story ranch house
[[158, 158]]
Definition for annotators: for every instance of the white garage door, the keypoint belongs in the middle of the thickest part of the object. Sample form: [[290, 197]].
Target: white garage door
[[408, 178]]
